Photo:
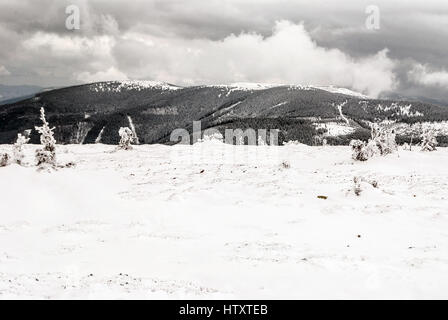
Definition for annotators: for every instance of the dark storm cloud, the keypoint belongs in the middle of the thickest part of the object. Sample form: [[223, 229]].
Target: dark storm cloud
[[126, 39]]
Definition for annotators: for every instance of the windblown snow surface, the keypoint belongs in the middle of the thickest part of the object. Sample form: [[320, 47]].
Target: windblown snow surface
[[216, 221]]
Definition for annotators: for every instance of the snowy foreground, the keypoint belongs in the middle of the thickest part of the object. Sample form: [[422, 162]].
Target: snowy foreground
[[217, 221]]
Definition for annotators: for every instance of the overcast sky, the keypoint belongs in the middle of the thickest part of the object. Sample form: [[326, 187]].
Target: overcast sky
[[189, 42]]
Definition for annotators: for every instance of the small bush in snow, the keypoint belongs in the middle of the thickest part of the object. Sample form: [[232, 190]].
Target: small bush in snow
[[18, 148], [126, 138], [46, 156], [382, 142], [359, 150], [429, 140], [286, 165], [406, 146], [4, 159], [357, 186], [384, 139], [357, 189], [70, 164]]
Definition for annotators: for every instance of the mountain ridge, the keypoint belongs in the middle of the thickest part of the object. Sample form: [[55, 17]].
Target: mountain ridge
[[307, 114]]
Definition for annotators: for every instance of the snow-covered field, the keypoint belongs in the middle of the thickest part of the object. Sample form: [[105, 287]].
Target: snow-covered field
[[184, 222]]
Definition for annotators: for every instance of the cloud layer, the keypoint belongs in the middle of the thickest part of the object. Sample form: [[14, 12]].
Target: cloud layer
[[420, 74], [223, 41]]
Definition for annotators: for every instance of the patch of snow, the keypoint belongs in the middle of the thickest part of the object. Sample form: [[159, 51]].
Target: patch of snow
[[399, 110], [119, 86], [244, 86], [162, 111], [151, 224], [343, 91], [82, 130], [134, 133], [230, 107], [340, 112], [279, 105], [300, 87], [440, 127], [249, 86], [295, 143], [100, 136], [334, 129]]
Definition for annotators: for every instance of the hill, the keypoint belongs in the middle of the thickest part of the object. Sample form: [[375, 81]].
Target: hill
[[94, 112]]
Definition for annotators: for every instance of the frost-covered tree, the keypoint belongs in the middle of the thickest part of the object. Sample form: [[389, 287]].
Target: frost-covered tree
[[384, 139], [359, 151], [46, 155], [391, 141], [382, 142], [126, 137], [18, 148], [362, 151], [4, 159], [429, 140]]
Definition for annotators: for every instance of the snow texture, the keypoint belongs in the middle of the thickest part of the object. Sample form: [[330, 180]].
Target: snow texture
[[119, 86], [343, 91], [181, 223]]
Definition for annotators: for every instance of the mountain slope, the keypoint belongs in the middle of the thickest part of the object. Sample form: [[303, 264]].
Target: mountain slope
[[94, 112]]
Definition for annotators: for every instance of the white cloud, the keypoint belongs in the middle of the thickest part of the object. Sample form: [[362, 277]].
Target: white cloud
[[109, 75], [189, 42], [59, 46], [4, 71], [289, 55], [421, 75]]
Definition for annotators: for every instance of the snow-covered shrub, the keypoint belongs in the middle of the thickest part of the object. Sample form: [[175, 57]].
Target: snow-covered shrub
[[429, 140], [382, 142], [4, 159], [18, 148], [358, 181], [384, 139], [70, 164], [126, 138], [286, 165], [46, 156], [362, 151]]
